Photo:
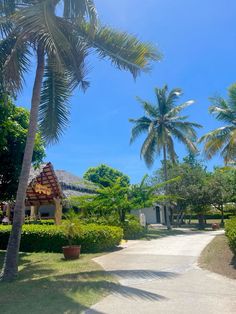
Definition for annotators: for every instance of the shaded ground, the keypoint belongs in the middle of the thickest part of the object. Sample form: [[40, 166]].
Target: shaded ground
[[218, 258], [156, 233], [49, 284]]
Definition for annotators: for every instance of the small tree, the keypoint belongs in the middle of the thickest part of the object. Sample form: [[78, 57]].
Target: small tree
[[71, 227]]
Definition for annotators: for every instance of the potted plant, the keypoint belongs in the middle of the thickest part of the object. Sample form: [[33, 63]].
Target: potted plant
[[215, 226], [71, 228]]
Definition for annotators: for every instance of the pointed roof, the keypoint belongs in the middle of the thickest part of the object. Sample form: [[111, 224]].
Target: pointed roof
[[43, 186]]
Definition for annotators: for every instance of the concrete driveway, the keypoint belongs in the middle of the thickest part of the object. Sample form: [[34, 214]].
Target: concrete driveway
[[162, 276]]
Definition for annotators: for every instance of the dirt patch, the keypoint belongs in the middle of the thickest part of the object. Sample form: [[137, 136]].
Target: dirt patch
[[217, 257]]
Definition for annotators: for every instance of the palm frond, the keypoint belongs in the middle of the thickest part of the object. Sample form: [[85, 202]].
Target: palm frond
[[176, 110], [215, 140], [170, 148], [232, 97], [183, 139], [173, 96], [148, 149], [187, 127], [16, 64], [54, 109], [141, 126], [80, 9], [223, 114], [124, 51], [5, 26], [74, 56], [150, 110], [229, 151], [162, 99], [40, 25]]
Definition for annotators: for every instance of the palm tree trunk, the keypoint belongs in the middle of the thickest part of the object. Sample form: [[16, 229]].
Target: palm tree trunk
[[166, 178], [10, 267]]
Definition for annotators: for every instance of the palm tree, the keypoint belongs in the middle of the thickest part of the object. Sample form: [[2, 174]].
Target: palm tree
[[222, 139], [163, 123], [60, 34]]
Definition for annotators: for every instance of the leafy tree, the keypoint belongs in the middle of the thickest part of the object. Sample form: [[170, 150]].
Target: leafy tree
[[14, 122], [163, 123], [222, 139], [60, 41], [105, 176], [145, 194], [108, 200], [192, 188], [220, 189]]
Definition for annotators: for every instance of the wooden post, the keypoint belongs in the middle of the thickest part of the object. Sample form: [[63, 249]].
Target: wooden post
[[58, 211], [34, 212], [8, 211]]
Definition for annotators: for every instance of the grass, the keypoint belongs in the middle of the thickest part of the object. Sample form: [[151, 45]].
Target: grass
[[217, 257], [49, 284]]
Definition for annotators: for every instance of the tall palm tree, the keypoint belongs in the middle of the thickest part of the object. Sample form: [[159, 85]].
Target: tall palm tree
[[222, 139], [163, 123], [60, 34]]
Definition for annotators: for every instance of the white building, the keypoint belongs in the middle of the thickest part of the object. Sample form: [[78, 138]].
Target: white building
[[154, 215]]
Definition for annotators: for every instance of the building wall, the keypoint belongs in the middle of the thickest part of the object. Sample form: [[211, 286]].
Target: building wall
[[150, 214]]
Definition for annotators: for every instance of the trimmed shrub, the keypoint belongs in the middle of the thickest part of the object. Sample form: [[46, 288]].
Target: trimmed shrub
[[230, 232], [43, 238], [133, 230], [131, 227], [40, 222]]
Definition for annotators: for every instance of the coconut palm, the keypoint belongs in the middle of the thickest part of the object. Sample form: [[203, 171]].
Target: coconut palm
[[222, 139], [60, 35], [163, 123]]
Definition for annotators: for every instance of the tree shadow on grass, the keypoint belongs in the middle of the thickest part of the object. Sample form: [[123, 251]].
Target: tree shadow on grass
[[153, 233], [39, 289]]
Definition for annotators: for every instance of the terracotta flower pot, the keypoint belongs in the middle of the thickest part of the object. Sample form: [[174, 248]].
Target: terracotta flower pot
[[215, 226], [72, 251]]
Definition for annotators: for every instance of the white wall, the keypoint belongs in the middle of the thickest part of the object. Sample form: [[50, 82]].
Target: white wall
[[150, 214]]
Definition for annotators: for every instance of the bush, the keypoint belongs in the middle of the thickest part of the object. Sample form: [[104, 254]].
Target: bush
[[40, 222], [133, 230], [43, 238], [131, 227], [230, 232]]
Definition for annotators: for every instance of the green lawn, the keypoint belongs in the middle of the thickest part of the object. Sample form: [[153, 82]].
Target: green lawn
[[49, 284]]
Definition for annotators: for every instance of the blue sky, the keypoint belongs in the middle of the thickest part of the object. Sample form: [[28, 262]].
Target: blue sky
[[198, 40]]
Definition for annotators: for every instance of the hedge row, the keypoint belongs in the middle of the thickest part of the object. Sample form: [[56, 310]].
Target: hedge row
[[212, 216], [230, 232], [133, 230], [43, 238]]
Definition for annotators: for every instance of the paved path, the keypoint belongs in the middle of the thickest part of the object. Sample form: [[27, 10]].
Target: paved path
[[162, 276]]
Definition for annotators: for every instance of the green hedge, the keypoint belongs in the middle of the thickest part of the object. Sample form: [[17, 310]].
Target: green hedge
[[212, 216], [131, 227], [230, 232], [43, 238], [133, 230]]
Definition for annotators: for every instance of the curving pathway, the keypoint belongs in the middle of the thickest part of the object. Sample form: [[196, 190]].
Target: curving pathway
[[162, 276]]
